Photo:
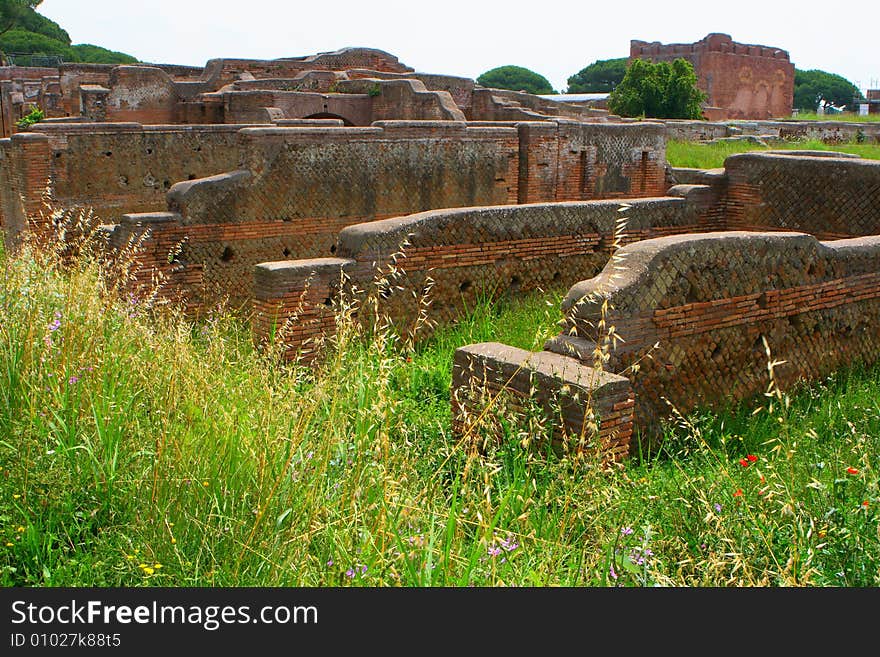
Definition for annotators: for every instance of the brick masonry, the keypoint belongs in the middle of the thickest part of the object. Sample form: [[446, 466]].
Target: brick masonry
[[743, 81], [588, 410], [709, 301]]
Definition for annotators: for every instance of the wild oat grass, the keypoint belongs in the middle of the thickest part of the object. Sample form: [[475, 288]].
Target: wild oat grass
[[712, 156], [138, 448]]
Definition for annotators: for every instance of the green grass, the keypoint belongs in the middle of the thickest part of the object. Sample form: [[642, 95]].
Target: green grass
[[712, 156], [137, 449], [846, 116]]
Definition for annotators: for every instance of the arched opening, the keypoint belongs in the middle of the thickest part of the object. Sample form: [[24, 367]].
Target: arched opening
[[328, 115]]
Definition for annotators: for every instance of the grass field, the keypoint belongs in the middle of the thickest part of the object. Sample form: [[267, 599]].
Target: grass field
[[712, 156], [845, 116], [137, 449]]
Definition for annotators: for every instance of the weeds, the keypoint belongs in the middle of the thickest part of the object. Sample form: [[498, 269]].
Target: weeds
[[140, 449]]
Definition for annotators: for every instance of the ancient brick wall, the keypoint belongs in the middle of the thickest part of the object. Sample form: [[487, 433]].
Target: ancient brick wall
[[25, 166], [300, 186], [830, 132], [694, 312], [567, 160], [141, 94], [745, 81], [589, 411], [825, 194], [113, 169], [453, 258]]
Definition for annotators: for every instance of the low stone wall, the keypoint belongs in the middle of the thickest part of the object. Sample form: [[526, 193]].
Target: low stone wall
[[697, 314], [453, 258], [589, 411], [831, 132], [825, 194]]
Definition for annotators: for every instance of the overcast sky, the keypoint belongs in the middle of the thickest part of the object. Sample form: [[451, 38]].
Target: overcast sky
[[456, 37]]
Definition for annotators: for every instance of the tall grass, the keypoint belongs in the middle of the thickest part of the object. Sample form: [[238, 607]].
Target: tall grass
[[138, 448], [712, 156]]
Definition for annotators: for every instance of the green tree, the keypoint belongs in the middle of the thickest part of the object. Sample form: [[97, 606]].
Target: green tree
[[11, 14], [602, 75], [661, 90], [814, 87], [515, 78]]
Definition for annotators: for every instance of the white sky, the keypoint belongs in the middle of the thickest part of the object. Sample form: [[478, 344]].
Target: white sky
[[456, 37]]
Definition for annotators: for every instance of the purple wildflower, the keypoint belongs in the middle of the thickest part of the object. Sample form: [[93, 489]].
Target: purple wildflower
[[626, 531], [329, 562], [611, 573], [717, 508], [350, 573], [509, 543], [494, 551], [73, 380]]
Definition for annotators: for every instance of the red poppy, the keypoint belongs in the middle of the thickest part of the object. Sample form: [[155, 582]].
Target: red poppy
[[852, 470], [752, 457], [738, 493], [865, 504], [744, 463]]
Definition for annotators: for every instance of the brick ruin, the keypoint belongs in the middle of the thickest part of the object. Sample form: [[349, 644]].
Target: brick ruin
[[742, 81], [286, 185], [697, 312]]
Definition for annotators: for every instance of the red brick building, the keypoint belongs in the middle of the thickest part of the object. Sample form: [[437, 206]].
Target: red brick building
[[742, 81]]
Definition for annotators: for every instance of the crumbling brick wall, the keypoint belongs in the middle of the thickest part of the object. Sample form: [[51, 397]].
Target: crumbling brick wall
[[825, 194], [453, 258], [745, 81], [694, 312], [111, 169]]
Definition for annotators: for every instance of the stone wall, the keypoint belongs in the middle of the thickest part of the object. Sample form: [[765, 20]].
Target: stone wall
[[112, 169], [829, 195], [454, 258], [830, 132], [695, 311], [589, 411]]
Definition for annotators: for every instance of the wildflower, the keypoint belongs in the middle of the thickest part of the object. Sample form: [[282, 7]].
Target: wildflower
[[16, 496], [509, 543], [611, 573], [73, 380], [865, 504], [148, 571], [494, 551], [626, 531], [205, 484], [329, 562], [744, 463], [10, 544], [751, 457], [852, 471], [717, 508], [363, 570], [20, 529], [738, 493], [350, 573]]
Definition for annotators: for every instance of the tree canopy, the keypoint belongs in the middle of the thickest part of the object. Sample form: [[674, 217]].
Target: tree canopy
[[515, 78], [24, 31], [814, 87], [660, 90], [13, 11], [600, 76]]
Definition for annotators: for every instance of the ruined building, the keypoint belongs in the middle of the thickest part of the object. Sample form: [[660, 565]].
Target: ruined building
[[282, 186], [742, 81]]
